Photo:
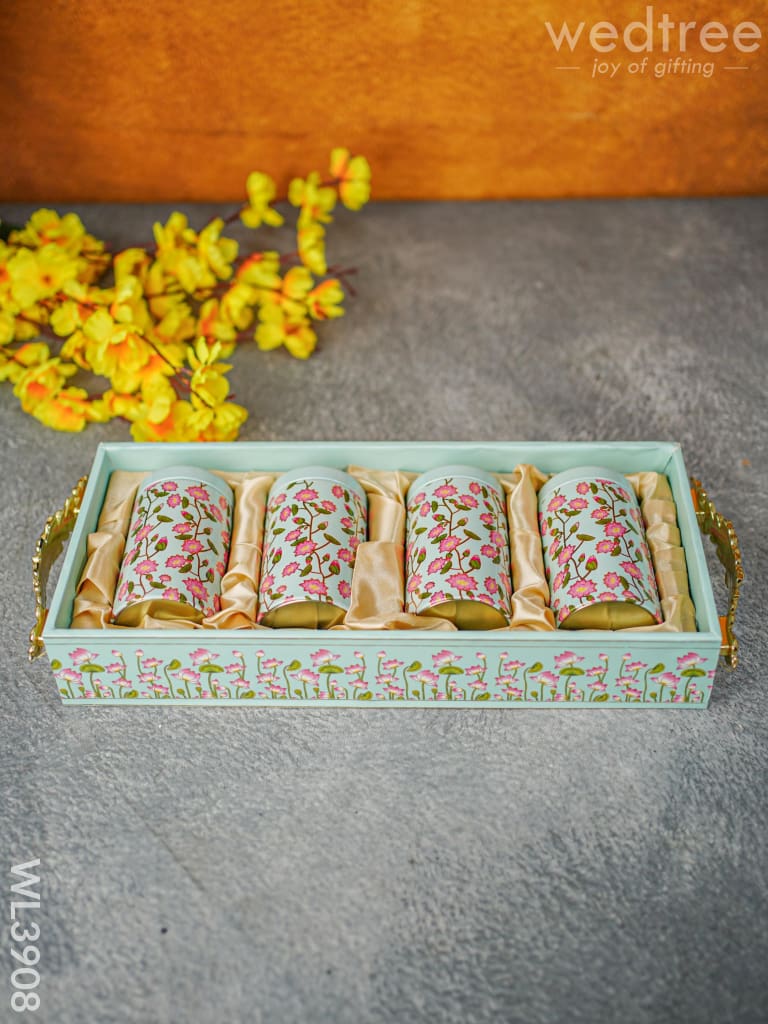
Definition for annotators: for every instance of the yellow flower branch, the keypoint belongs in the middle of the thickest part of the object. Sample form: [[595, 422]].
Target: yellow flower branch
[[159, 321]]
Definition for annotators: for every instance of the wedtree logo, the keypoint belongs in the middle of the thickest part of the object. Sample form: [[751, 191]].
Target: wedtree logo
[[653, 35]]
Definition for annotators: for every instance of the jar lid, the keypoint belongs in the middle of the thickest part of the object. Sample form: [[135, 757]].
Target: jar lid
[[311, 474], [579, 473], [463, 472], [194, 474]]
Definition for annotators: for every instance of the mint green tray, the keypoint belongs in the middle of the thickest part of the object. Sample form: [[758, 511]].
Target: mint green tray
[[370, 668]]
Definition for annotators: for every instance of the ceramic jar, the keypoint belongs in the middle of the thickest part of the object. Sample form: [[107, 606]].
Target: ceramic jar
[[316, 518], [457, 558], [596, 557], [177, 547]]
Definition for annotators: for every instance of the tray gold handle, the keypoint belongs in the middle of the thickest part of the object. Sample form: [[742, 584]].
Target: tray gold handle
[[722, 534], [55, 532]]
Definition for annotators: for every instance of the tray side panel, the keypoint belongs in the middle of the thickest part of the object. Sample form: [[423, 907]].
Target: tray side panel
[[333, 667]]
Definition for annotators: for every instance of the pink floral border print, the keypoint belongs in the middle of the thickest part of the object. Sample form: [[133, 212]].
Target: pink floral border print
[[458, 547], [310, 546], [177, 547], [596, 543], [327, 675]]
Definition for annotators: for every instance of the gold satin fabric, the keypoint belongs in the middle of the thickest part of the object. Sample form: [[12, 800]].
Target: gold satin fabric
[[304, 615], [378, 584], [666, 547], [530, 591]]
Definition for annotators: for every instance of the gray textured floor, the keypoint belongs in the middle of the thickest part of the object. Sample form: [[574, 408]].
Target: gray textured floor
[[284, 866]]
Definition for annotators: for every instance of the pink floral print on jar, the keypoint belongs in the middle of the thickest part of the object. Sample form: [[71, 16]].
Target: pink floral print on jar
[[596, 554], [177, 547], [316, 518], [457, 558]]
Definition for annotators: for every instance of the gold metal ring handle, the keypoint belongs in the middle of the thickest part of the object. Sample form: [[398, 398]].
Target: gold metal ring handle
[[55, 532], [722, 534]]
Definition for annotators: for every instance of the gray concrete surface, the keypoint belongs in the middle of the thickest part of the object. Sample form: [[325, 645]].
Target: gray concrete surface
[[289, 866]]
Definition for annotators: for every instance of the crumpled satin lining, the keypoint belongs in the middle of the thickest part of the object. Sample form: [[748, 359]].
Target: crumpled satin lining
[[666, 547], [378, 582], [377, 598], [530, 590]]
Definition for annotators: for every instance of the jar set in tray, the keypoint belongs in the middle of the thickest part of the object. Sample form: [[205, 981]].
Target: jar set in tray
[[456, 558]]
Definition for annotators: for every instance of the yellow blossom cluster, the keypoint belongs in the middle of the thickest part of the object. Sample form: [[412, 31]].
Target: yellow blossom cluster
[[160, 322]]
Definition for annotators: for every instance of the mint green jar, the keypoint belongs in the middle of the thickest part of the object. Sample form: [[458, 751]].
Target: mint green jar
[[596, 557], [457, 559], [177, 547], [316, 518]]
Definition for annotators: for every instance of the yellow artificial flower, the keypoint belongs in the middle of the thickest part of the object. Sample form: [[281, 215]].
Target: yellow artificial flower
[[14, 363], [39, 274], [237, 305], [178, 325], [311, 243], [354, 177], [203, 354], [216, 252], [7, 327], [324, 301], [46, 227], [316, 200], [184, 422], [219, 424], [70, 409], [173, 427], [261, 273], [261, 270], [93, 261], [186, 269], [278, 328], [41, 381], [162, 292], [6, 252], [174, 234], [213, 325], [292, 291], [72, 312], [74, 348], [160, 415], [261, 191], [117, 404], [116, 351], [132, 262], [129, 307], [158, 398], [177, 254], [164, 363], [208, 385]]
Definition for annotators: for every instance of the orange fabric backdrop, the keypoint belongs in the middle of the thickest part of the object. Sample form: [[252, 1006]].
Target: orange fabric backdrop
[[163, 100]]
